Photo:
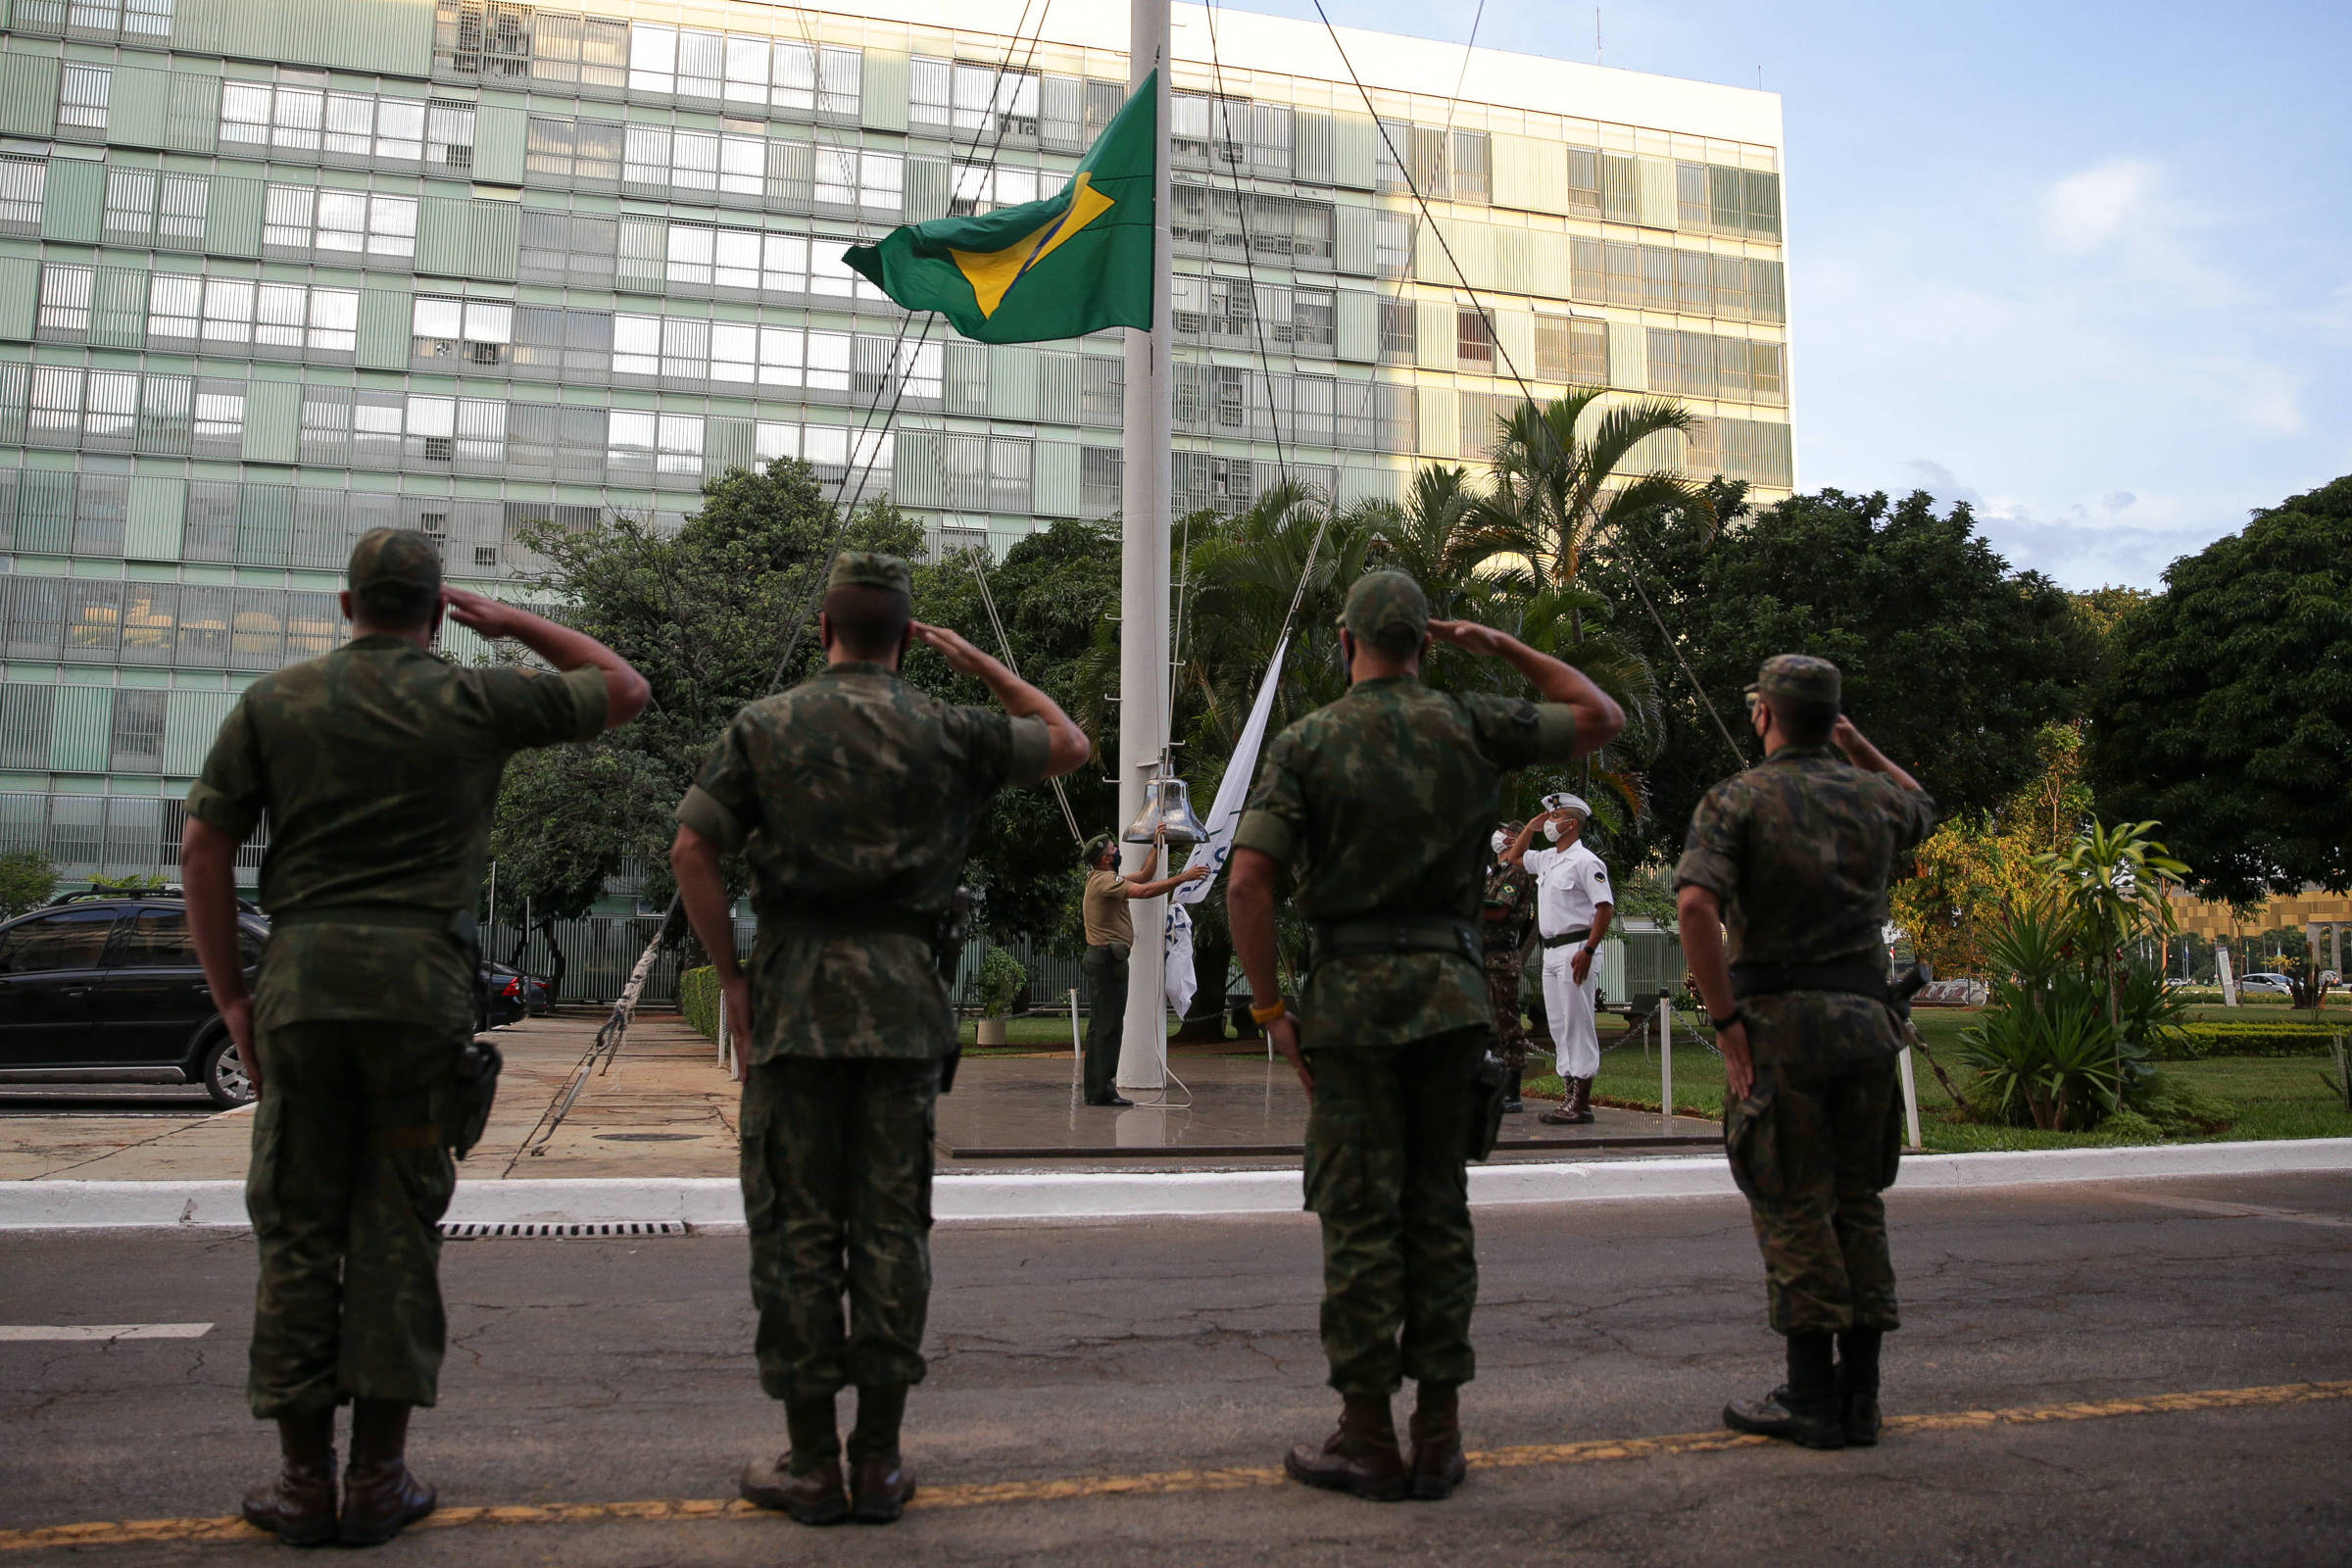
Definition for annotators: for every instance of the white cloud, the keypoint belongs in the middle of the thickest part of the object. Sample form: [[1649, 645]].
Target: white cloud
[[2083, 212]]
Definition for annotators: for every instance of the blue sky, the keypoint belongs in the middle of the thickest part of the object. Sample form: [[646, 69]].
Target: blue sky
[[2086, 266]]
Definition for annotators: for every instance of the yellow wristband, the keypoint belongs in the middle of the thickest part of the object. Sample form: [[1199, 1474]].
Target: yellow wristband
[[1280, 1010]]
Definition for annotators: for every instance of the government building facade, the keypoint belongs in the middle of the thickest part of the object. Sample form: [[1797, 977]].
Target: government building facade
[[277, 271]]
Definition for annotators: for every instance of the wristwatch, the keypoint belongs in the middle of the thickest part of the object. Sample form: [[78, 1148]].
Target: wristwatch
[[1726, 1021]]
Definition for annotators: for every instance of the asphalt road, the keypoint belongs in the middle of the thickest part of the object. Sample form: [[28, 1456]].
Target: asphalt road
[[591, 1373]]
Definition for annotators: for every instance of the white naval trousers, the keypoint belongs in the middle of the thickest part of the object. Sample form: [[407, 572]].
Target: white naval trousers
[[1575, 1033]]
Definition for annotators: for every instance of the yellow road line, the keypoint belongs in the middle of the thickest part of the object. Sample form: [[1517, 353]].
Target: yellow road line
[[128, 1531]]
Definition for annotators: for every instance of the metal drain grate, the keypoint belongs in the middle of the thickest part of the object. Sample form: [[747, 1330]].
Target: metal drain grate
[[510, 1230]]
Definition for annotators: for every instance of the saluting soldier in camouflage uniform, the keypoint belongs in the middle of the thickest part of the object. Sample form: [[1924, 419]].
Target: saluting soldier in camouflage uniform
[[377, 768], [1379, 805], [1797, 854], [852, 797], [1507, 927]]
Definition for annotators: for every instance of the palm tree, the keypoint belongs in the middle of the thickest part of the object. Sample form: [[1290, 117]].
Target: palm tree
[[1557, 494]]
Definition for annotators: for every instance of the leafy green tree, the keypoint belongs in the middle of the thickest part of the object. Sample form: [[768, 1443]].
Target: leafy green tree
[[2224, 710], [1953, 662], [27, 880], [707, 615]]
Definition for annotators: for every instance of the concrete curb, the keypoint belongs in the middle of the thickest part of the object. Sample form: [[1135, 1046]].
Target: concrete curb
[[716, 1205]]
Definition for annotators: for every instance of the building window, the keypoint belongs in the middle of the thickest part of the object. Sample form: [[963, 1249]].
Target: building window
[[645, 444], [1398, 329], [1474, 340], [66, 301], [449, 136], [22, 183], [1584, 183], [981, 189], [1472, 176], [463, 332], [348, 221], [976, 102]]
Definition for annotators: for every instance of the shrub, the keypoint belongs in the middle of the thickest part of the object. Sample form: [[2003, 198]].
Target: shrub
[[2180, 1108], [2194, 1042], [1002, 982], [27, 878], [698, 1001], [2129, 1126]]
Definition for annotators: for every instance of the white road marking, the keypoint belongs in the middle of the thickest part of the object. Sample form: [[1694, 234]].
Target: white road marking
[[54, 1332], [2206, 1206]]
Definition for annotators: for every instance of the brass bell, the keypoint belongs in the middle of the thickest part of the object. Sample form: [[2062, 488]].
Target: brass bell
[[1166, 815]]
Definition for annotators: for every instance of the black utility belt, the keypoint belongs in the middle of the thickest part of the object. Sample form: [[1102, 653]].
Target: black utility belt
[[1774, 979], [458, 925], [857, 919], [1114, 951], [1566, 937], [1395, 933]]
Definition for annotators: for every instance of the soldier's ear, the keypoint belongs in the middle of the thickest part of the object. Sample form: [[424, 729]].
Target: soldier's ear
[[824, 631]]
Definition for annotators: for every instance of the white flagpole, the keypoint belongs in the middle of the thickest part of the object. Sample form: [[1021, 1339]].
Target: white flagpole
[[1145, 508]]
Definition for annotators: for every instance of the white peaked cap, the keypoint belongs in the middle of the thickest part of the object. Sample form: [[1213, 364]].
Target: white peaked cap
[[1568, 802]]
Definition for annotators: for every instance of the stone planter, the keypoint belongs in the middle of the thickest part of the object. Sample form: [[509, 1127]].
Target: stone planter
[[992, 1031]]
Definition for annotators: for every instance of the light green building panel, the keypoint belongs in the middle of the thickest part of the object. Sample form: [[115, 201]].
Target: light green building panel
[[392, 36], [1060, 390], [1654, 192], [138, 107], [643, 267], [1354, 250], [273, 421], [118, 308], [80, 729], [967, 369], [445, 236], [1529, 174], [1312, 147], [883, 93], [497, 144], [190, 721], [1353, 161], [1516, 341], [495, 240], [192, 121], [1439, 432], [28, 95], [151, 529], [20, 297], [930, 185], [1012, 374], [73, 203], [1356, 331], [1629, 355], [1057, 479], [1435, 321], [729, 444], [385, 320], [233, 220]]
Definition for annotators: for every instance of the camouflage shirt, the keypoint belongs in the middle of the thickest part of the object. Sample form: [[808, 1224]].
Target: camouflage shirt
[[377, 768], [1507, 911], [855, 790], [1800, 850], [1381, 803]]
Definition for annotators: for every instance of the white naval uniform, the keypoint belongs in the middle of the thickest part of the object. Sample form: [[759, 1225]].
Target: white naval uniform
[[1571, 884]]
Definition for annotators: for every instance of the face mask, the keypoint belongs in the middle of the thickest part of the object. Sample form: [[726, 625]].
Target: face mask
[[1502, 841], [1551, 831]]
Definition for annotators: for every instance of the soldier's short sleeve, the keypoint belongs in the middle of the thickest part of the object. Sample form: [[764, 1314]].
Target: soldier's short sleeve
[[1914, 813], [1711, 848], [1596, 882], [723, 804], [1275, 816], [1032, 751], [227, 794], [531, 708], [1508, 730]]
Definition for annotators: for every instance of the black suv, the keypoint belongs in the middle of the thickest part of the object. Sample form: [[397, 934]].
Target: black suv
[[104, 987]]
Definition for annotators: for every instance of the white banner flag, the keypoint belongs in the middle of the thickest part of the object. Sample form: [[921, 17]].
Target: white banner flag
[[1224, 815]]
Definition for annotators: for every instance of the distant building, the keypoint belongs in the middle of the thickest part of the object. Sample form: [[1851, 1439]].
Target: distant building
[[274, 272]]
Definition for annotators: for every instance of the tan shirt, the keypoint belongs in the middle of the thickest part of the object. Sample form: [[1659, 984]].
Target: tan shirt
[[1107, 917]]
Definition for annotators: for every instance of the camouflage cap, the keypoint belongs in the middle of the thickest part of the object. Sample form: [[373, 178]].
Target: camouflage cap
[[1800, 677], [1386, 609], [393, 563], [867, 568]]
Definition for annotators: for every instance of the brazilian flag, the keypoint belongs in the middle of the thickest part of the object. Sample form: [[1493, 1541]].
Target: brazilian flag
[[1062, 266]]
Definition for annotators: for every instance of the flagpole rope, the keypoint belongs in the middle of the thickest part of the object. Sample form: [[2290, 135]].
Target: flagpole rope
[[988, 603], [1429, 221], [1219, 113]]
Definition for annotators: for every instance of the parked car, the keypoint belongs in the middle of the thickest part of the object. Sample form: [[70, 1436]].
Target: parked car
[[2267, 982], [508, 994], [104, 987]]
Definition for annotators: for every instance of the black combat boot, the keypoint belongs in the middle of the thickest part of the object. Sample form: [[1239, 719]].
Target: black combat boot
[[299, 1507], [805, 1481], [1858, 1385], [1361, 1457], [380, 1497], [880, 1484], [1512, 1105], [1438, 1463], [1806, 1409]]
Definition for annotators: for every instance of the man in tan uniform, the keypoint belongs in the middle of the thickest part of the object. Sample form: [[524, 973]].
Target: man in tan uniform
[[1110, 938]]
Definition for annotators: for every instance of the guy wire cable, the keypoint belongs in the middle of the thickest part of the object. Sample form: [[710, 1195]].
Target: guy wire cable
[[988, 602], [848, 509], [1487, 316], [1221, 111]]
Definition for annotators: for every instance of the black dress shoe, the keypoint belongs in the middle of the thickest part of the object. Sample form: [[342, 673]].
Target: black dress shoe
[[1114, 1102]]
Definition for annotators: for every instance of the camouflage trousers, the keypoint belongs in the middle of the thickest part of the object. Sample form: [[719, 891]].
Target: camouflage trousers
[[1813, 1147], [347, 1186], [1385, 1156], [837, 1197], [1502, 993]]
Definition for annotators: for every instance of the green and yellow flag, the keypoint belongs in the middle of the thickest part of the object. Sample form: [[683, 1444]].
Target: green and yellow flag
[[1062, 266]]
